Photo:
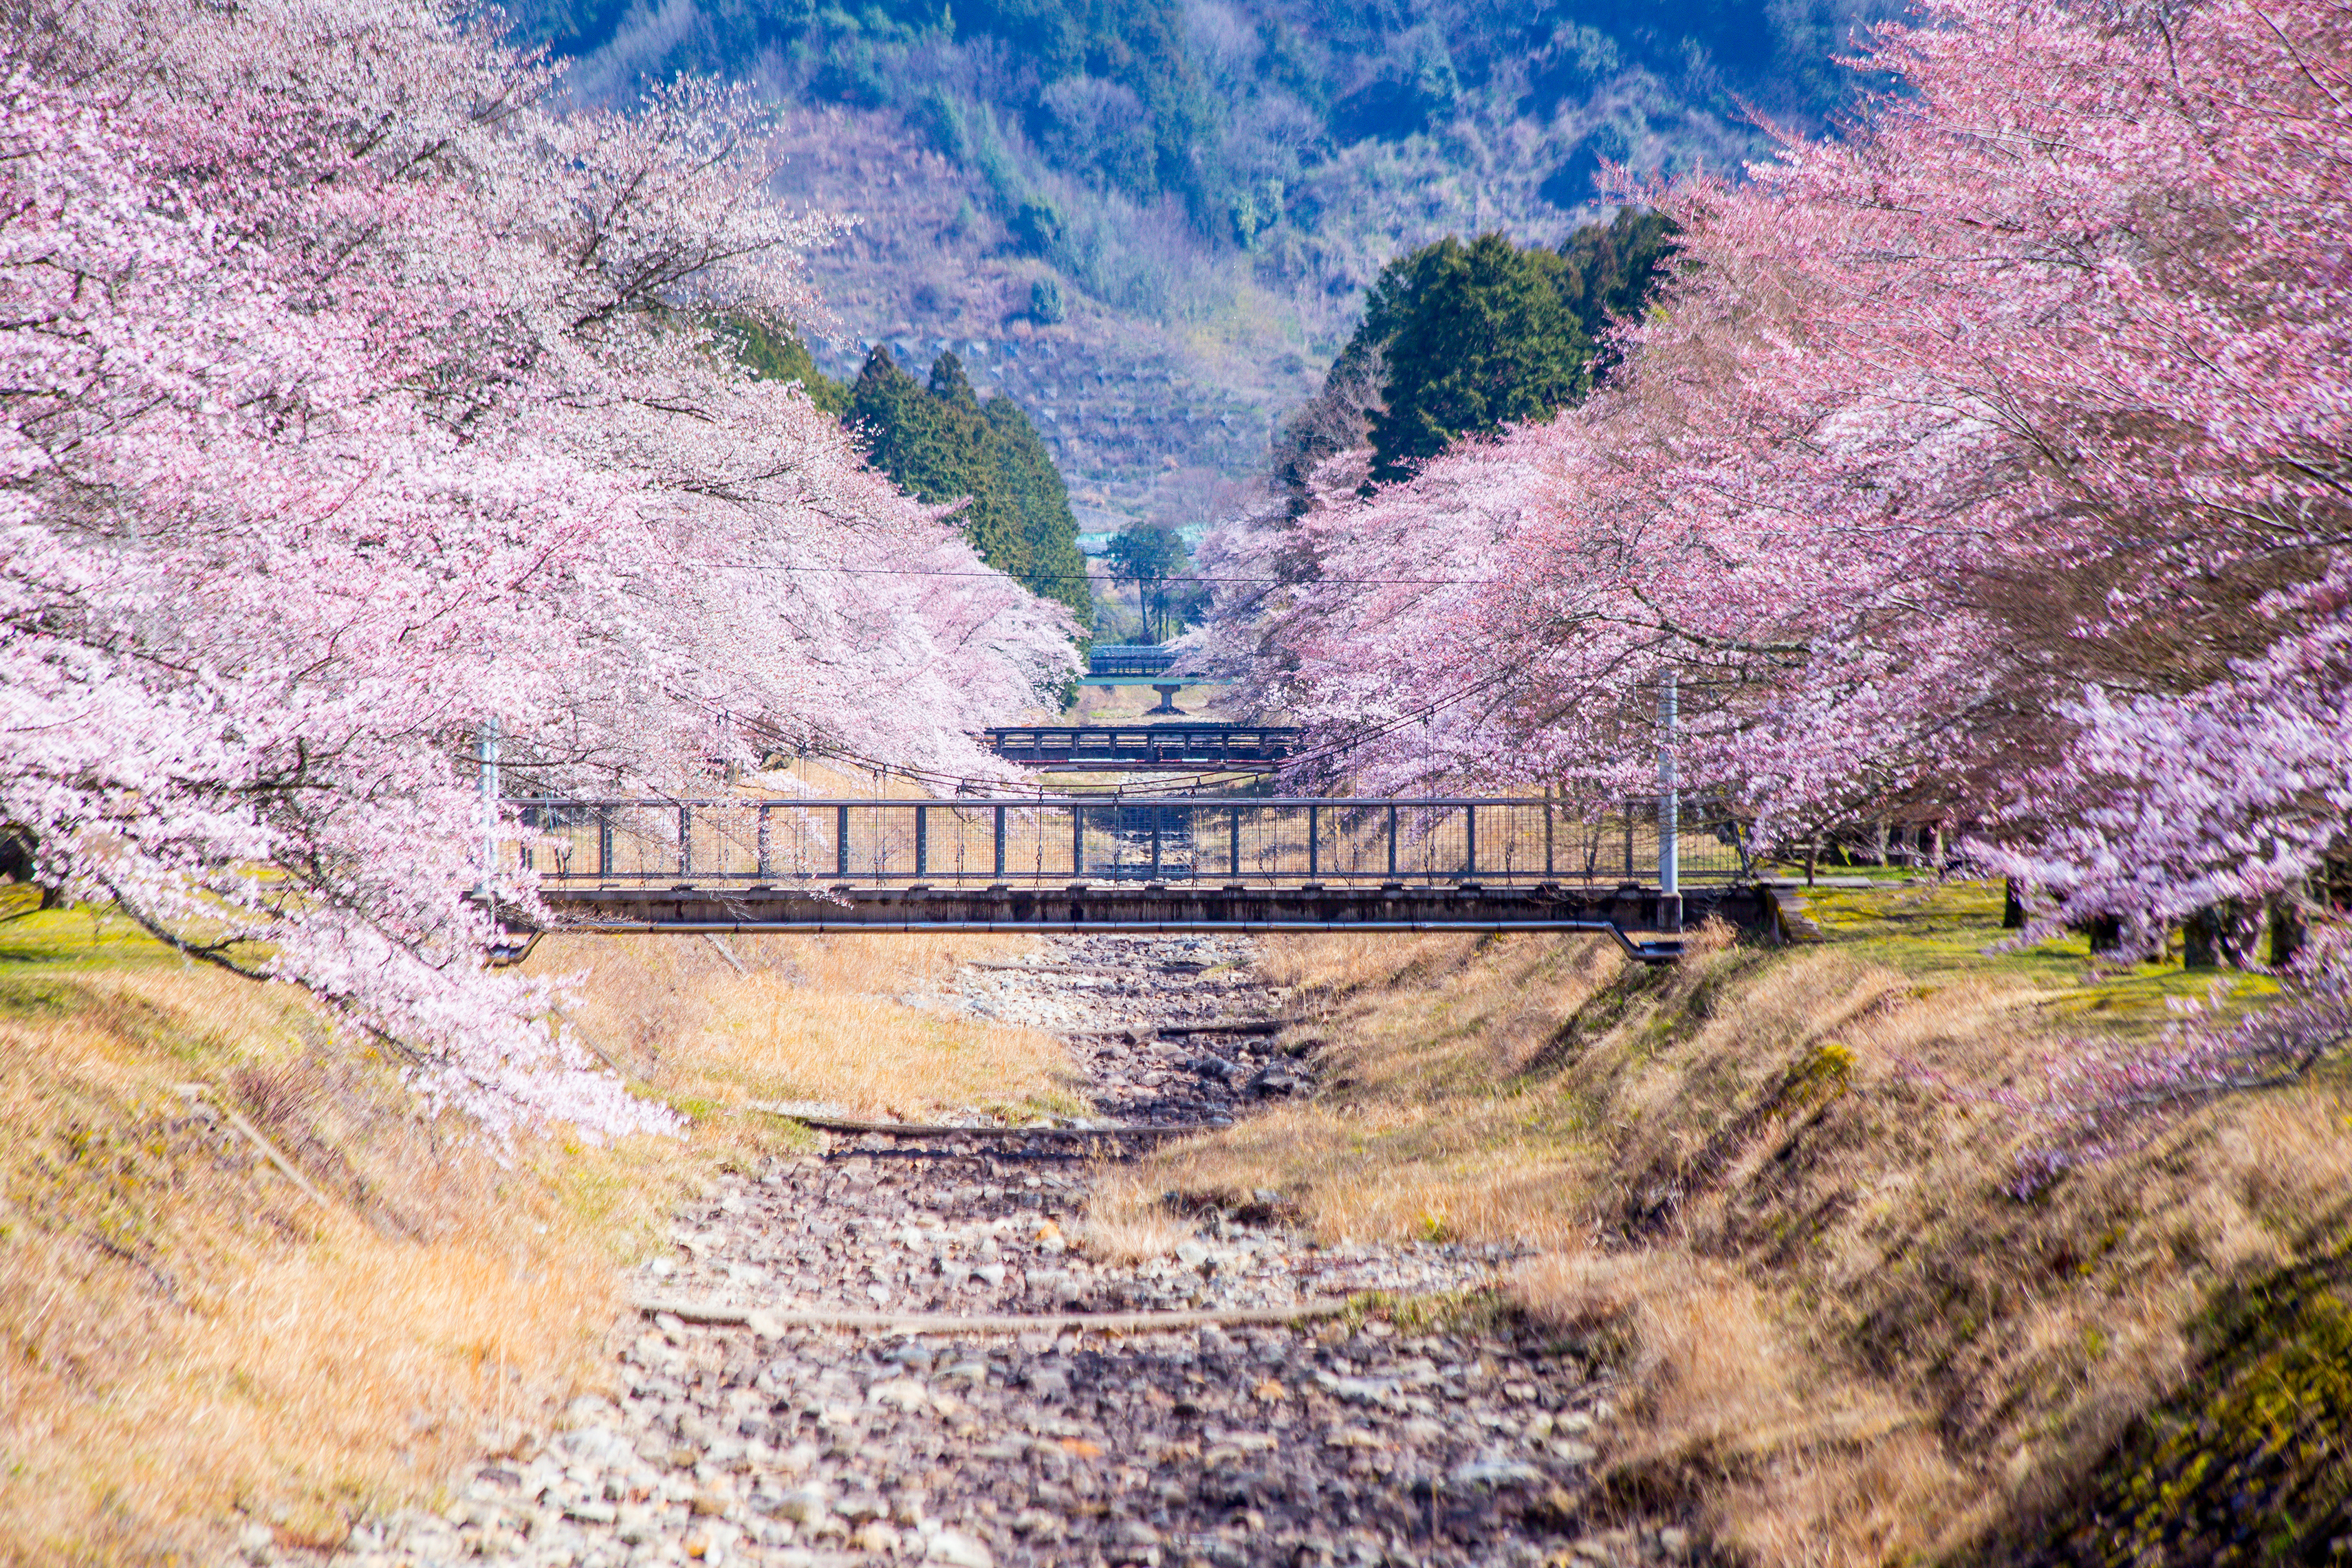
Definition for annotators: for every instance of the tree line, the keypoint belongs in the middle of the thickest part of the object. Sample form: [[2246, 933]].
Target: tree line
[[1270, 126], [1464, 339], [939, 443], [1985, 465], [366, 417]]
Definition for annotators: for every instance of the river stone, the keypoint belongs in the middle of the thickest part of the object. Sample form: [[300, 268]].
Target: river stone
[[957, 1549], [1052, 1445]]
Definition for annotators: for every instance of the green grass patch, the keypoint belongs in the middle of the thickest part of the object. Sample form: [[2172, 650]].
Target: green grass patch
[[1951, 929], [1471, 1311], [81, 937]]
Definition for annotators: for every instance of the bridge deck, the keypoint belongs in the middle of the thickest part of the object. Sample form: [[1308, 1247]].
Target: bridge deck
[[1142, 745], [1148, 661], [1172, 683], [1158, 865], [1621, 912]]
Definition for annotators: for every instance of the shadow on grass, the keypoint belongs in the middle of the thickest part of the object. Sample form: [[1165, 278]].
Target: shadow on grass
[[1951, 930]]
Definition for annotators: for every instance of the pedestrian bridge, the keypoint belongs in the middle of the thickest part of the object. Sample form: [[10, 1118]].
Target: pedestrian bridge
[[1049, 863], [1143, 746], [1143, 663]]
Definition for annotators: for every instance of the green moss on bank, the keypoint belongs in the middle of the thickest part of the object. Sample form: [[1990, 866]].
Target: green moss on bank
[[1948, 930], [2252, 1462]]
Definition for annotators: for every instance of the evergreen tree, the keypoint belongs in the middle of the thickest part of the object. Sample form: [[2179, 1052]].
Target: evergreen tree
[[890, 413], [1463, 339], [1058, 570], [1476, 336], [773, 358], [941, 444], [1153, 556], [960, 461], [1613, 269]]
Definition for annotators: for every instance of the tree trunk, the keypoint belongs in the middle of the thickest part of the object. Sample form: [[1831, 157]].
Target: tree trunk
[[18, 850], [2012, 905], [2286, 930], [2200, 946]]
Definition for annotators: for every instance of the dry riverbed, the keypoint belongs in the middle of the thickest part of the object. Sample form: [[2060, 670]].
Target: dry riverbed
[[1408, 1436]]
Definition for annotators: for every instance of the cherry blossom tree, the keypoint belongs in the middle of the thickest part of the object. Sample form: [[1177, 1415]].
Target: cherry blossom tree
[[356, 400], [1991, 456]]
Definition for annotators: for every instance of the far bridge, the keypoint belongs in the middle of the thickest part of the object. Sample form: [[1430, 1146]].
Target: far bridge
[[1143, 663], [1227, 747], [1063, 864]]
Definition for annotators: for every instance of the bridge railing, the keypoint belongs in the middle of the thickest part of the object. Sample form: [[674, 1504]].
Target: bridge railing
[[1142, 742], [1131, 658], [1054, 841]]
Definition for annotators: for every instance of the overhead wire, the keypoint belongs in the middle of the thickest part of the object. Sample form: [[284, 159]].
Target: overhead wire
[[963, 783], [1027, 577]]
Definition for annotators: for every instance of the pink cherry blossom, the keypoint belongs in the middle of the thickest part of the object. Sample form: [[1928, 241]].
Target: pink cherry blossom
[[1992, 462], [356, 399], [1986, 462]]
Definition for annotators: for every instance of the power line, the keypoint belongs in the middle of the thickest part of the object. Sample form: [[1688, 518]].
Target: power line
[[1102, 577], [1338, 745]]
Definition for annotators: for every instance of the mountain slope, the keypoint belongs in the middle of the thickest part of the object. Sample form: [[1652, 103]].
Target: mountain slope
[[1182, 204]]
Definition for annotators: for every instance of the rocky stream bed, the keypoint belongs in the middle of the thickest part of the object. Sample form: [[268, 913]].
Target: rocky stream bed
[[1334, 1439]]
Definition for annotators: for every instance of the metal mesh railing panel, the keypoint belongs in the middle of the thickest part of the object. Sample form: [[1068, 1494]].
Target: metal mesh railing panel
[[969, 843]]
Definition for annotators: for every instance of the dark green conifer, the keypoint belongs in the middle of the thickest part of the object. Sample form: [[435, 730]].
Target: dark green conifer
[[1463, 339], [941, 444], [782, 357], [1613, 269], [1476, 336], [1056, 569]]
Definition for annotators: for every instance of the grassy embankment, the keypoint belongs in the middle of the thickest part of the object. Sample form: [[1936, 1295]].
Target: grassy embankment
[[1854, 1343], [191, 1342]]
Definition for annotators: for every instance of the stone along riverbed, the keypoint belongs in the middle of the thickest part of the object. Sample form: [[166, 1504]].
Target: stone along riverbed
[[756, 1429]]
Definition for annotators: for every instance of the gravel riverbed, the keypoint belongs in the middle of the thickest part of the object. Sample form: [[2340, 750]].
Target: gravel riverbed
[[1333, 1440]]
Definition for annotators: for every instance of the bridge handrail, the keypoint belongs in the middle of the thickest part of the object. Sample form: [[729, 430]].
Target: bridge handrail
[[1287, 839], [1092, 802]]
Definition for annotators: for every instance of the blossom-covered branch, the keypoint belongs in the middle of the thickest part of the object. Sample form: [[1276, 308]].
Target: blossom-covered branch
[[1989, 459], [355, 399]]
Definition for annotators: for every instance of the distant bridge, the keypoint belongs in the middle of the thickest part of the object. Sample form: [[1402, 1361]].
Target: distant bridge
[[1195, 864], [1134, 746], [1143, 663], [1130, 661]]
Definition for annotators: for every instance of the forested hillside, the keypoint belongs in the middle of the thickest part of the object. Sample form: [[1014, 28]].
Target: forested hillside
[[1185, 203], [1241, 111]]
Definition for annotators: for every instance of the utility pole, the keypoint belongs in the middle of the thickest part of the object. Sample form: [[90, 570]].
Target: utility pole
[[485, 754], [1669, 878]]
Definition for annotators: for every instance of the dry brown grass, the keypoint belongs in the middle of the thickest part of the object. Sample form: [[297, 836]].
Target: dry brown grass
[[1125, 1225], [188, 1342], [1432, 1129], [187, 1334], [837, 781], [1728, 1407], [1854, 1345], [815, 1019]]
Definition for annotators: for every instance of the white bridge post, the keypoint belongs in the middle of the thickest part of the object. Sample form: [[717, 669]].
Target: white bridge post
[[486, 752], [1670, 877]]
